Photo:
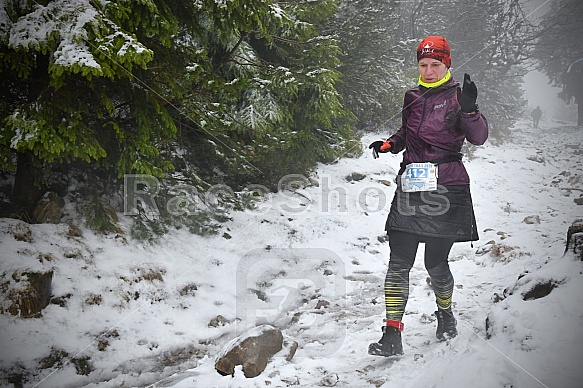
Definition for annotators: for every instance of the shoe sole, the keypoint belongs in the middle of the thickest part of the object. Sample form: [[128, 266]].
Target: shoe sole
[[374, 351], [445, 337]]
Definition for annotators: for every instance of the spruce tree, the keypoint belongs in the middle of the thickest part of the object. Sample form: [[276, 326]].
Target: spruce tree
[[202, 92], [375, 67]]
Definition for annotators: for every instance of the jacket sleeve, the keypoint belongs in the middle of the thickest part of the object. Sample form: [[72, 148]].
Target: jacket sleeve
[[475, 127], [398, 140]]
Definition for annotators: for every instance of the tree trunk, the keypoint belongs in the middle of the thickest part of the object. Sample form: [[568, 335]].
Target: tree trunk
[[27, 188]]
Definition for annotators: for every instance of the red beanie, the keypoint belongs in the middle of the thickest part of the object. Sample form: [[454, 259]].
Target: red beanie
[[435, 47]]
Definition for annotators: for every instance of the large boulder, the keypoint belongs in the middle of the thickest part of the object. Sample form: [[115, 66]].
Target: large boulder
[[252, 350]]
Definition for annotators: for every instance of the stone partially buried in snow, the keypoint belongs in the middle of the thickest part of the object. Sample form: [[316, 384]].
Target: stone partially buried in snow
[[31, 295], [252, 350], [575, 238], [355, 177], [531, 220], [48, 209]]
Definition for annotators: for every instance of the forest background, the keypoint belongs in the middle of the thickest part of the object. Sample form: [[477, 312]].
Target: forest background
[[217, 101]]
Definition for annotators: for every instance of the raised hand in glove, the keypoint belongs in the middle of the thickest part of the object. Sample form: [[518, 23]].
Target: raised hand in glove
[[467, 97], [380, 146]]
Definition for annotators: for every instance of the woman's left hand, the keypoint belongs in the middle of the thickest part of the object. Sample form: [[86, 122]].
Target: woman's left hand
[[467, 97]]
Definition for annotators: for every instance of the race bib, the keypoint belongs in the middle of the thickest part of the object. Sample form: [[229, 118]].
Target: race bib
[[419, 177]]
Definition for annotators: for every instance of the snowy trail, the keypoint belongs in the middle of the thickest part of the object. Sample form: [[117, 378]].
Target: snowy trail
[[524, 178], [313, 264]]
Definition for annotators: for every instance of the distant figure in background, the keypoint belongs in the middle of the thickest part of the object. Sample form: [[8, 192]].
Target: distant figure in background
[[536, 115]]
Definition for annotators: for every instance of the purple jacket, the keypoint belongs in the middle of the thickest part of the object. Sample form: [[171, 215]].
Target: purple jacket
[[434, 127]]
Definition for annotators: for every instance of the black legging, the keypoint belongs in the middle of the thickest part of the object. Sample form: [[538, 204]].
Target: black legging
[[403, 251]]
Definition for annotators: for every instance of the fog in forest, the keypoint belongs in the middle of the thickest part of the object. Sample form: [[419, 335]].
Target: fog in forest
[[537, 86]]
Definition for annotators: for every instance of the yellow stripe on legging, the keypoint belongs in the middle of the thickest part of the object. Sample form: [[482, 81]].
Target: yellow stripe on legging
[[443, 300], [394, 301], [396, 293], [443, 295]]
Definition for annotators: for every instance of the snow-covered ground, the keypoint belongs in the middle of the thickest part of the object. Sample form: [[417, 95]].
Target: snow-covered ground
[[313, 263]]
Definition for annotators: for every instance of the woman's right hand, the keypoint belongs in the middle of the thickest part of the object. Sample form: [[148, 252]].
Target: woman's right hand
[[380, 146]]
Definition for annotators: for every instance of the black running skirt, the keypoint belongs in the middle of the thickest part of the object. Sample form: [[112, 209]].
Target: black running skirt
[[446, 212]]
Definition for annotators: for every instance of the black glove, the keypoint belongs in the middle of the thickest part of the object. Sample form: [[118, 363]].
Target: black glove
[[467, 97], [380, 146]]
